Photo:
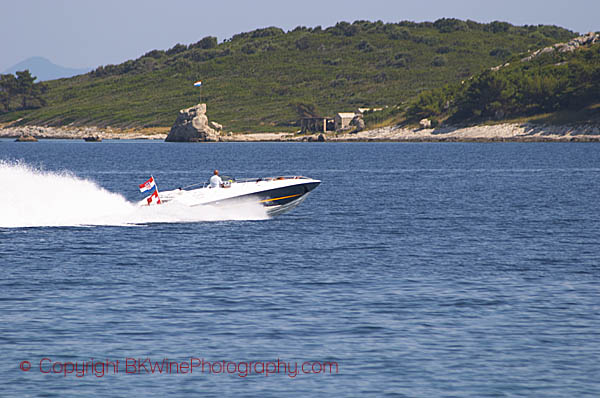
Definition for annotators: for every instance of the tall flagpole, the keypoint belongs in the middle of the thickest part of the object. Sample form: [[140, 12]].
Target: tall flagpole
[[199, 85]]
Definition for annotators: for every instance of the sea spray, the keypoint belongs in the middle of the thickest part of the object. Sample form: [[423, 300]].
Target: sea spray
[[31, 197]]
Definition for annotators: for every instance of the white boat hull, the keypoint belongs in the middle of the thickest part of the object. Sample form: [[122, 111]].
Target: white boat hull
[[278, 195]]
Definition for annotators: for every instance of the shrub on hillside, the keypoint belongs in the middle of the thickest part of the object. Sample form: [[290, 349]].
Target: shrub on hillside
[[440, 60], [206, 43]]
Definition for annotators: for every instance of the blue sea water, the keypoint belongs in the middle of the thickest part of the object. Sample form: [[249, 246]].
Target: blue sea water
[[420, 270]]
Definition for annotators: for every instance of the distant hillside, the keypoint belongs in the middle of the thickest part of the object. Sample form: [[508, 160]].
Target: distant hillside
[[563, 78], [257, 80], [43, 69]]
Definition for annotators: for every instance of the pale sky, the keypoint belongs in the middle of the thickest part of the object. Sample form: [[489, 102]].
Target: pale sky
[[83, 33]]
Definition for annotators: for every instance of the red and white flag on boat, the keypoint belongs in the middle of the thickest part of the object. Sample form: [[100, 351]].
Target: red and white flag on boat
[[148, 185], [153, 198]]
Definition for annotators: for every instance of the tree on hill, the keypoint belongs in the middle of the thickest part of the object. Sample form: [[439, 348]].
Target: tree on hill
[[306, 110], [20, 92]]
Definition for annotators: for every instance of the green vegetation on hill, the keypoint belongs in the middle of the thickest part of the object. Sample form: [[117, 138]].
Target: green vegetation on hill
[[549, 82], [20, 92], [259, 80]]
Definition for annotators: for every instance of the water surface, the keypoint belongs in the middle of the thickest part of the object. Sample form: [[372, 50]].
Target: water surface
[[433, 269]]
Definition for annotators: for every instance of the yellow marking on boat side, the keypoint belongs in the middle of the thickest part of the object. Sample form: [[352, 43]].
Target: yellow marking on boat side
[[283, 197]]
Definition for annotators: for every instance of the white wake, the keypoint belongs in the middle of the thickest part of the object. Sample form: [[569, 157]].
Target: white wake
[[31, 197]]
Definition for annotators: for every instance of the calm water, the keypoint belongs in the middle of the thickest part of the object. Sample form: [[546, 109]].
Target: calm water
[[422, 270]]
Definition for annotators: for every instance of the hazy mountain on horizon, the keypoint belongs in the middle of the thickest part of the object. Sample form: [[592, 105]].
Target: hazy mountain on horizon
[[44, 69]]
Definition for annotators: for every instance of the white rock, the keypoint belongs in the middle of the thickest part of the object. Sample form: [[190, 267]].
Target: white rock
[[425, 123], [192, 126]]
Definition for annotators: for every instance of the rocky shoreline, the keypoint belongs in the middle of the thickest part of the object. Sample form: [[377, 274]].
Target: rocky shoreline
[[68, 133], [507, 132]]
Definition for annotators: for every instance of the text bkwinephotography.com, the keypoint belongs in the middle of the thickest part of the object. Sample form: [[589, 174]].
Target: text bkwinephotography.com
[[166, 366]]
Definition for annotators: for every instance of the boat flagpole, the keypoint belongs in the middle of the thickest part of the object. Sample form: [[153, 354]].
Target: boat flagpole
[[158, 202]]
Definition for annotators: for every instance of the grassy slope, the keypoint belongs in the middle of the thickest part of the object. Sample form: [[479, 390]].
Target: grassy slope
[[251, 82], [556, 88]]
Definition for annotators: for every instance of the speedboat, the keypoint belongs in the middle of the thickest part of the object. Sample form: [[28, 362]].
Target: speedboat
[[277, 194]]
